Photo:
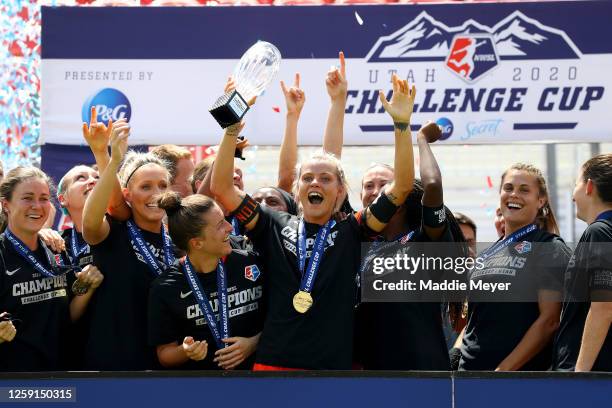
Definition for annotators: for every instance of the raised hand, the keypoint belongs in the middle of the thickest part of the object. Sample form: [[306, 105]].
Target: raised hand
[[402, 101], [294, 96], [195, 350], [119, 140], [430, 131], [230, 85], [337, 86], [97, 134]]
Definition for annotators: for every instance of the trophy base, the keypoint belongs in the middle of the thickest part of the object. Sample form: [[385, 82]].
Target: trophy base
[[229, 109]]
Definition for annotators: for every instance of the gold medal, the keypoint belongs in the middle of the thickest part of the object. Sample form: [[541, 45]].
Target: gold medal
[[302, 301], [79, 288]]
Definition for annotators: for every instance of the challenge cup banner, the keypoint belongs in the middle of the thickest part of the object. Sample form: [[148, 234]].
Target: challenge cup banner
[[486, 73]]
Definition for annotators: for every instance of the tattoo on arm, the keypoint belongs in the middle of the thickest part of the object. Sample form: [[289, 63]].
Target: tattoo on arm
[[401, 126], [391, 197]]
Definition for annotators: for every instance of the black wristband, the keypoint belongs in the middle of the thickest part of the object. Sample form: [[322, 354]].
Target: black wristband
[[246, 211], [434, 217], [383, 209]]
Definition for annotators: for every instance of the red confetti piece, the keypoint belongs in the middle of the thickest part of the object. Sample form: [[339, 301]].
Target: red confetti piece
[[276, 109], [85, 1], [23, 13], [31, 44], [15, 49], [489, 182]]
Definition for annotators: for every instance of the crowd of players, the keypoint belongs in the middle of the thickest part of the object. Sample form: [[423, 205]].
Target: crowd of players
[[171, 265]]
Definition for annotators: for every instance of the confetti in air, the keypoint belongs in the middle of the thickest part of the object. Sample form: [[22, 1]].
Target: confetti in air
[[489, 182], [19, 83], [359, 19]]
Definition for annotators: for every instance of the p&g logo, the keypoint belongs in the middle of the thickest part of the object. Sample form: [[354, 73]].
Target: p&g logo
[[447, 127], [110, 103]]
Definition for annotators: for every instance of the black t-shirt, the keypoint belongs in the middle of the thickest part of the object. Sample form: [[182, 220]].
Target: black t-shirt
[[118, 330], [41, 303], [78, 332], [589, 269], [174, 312], [321, 338], [402, 335], [494, 329]]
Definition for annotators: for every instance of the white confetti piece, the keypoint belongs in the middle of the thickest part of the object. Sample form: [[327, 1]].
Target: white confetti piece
[[359, 19]]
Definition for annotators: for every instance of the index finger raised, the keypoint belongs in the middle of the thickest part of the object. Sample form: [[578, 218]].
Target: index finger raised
[[94, 116]]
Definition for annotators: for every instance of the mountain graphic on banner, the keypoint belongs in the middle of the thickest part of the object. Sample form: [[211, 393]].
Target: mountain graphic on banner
[[515, 37]]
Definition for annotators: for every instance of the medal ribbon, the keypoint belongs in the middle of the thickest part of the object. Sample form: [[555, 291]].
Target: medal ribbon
[[316, 256], [205, 305], [76, 251], [499, 245], [28, 255], [141, 244]]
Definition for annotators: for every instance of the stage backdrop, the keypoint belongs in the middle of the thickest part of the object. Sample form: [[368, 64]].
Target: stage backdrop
[[487, 73]]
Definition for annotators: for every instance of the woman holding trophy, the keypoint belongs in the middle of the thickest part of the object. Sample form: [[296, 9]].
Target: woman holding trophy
[[312, 258]]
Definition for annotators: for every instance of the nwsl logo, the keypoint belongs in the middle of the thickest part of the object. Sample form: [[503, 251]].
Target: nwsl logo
[[523, 248], [472, 56], [252, 272], [472, 49]]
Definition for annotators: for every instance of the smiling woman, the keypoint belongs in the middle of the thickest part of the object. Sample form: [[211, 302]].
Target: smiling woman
[[130, 254], [218, 269], [33, 281], [490, 342]]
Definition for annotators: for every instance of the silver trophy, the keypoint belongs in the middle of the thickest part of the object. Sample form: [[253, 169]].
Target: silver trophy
[[252, 75]]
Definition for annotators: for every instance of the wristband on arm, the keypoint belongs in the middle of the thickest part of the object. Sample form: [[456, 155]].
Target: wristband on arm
[[383, 209], [246, 211], [434, 217]]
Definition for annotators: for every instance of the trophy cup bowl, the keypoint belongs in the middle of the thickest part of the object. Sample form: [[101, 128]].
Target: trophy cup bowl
[[254, 72]]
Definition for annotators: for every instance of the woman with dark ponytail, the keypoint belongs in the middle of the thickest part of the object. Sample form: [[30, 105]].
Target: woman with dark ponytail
[[217, 277], [514, 329]]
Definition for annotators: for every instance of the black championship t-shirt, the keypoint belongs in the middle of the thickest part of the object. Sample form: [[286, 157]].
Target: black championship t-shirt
[[589, 270], [78, 332], [118, 330], [402, 335], [321, 338], [174, 312], [494, 328], [41, 303]]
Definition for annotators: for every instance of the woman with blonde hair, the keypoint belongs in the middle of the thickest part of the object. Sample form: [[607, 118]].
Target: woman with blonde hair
[[130, 254]]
